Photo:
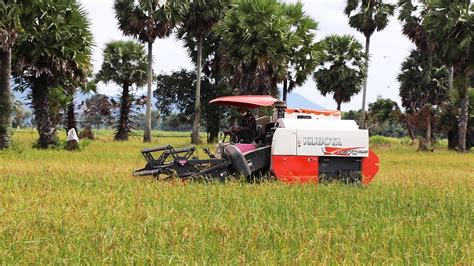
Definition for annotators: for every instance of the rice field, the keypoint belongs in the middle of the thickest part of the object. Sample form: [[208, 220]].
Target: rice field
[[85, 207]]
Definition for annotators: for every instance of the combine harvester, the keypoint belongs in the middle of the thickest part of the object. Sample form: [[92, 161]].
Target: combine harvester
[[298, 145]]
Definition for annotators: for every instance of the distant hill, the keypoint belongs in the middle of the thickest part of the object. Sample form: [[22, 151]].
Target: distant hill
[[296, 100]]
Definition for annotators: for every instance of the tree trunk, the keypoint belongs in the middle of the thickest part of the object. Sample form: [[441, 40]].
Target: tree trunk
[[451, 78], [71, 115], [46, 128], [213, 136], [410, 131], [425, 142], [213, 131], [212, 116], [123, 125], [5, 99], [197, 107], [147, 131], [428, 140], [464, 115], [339, 106], [364, 89], [285, 90]]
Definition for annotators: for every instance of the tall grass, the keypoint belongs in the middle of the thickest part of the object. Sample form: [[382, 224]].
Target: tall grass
[[85, 207]]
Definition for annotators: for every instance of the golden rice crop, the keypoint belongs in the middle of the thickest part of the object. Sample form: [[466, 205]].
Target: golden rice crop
[[85, 207]]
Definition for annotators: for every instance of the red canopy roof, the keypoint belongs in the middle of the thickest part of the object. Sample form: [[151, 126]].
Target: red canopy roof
[[246, 101]]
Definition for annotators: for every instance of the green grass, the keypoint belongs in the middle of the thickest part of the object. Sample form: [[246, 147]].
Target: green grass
[[85, 207]]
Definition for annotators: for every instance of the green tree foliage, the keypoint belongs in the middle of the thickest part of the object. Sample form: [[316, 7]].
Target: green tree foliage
[[146, 21], [175, 94], [9, 24], [451, 24], [260, 40], [125, 64], [368, 16], [197, 24], [383, 110], [423, 88], [176, 122], [384, 118], [342, 68], [351, 115], [53, 48]]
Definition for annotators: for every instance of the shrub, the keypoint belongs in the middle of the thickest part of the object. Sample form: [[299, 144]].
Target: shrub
[[380, 141]]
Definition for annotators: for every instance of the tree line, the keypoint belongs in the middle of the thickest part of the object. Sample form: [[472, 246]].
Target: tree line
[[238, 47]]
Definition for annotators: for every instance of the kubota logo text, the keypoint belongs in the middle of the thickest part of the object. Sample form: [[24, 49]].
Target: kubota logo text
[[322, 141]]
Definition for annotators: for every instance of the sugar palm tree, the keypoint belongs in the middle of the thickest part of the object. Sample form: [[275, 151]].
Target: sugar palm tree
[[342, 68], [9, 23], [419, 63], [198, 22], [304, 54], [255, 37], [55, 46], [450, 23], [368, 16], [146, 21], [411, 16], [125, 63], [423, 84]]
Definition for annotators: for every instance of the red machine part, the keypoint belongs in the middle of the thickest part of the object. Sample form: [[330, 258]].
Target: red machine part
[[304, 169], [295, 169], [370, 167]]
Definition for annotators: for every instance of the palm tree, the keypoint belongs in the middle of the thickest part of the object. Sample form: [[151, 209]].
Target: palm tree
[[125, 63], [303, 50], [342, 68], [197, 24], [9, 20], [411, 16], [255, 37], [54, 47], [450, 24], [423, 85], [147, 20], [368, 16]]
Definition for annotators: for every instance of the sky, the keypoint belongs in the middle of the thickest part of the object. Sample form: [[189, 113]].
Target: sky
[[388, 49]]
